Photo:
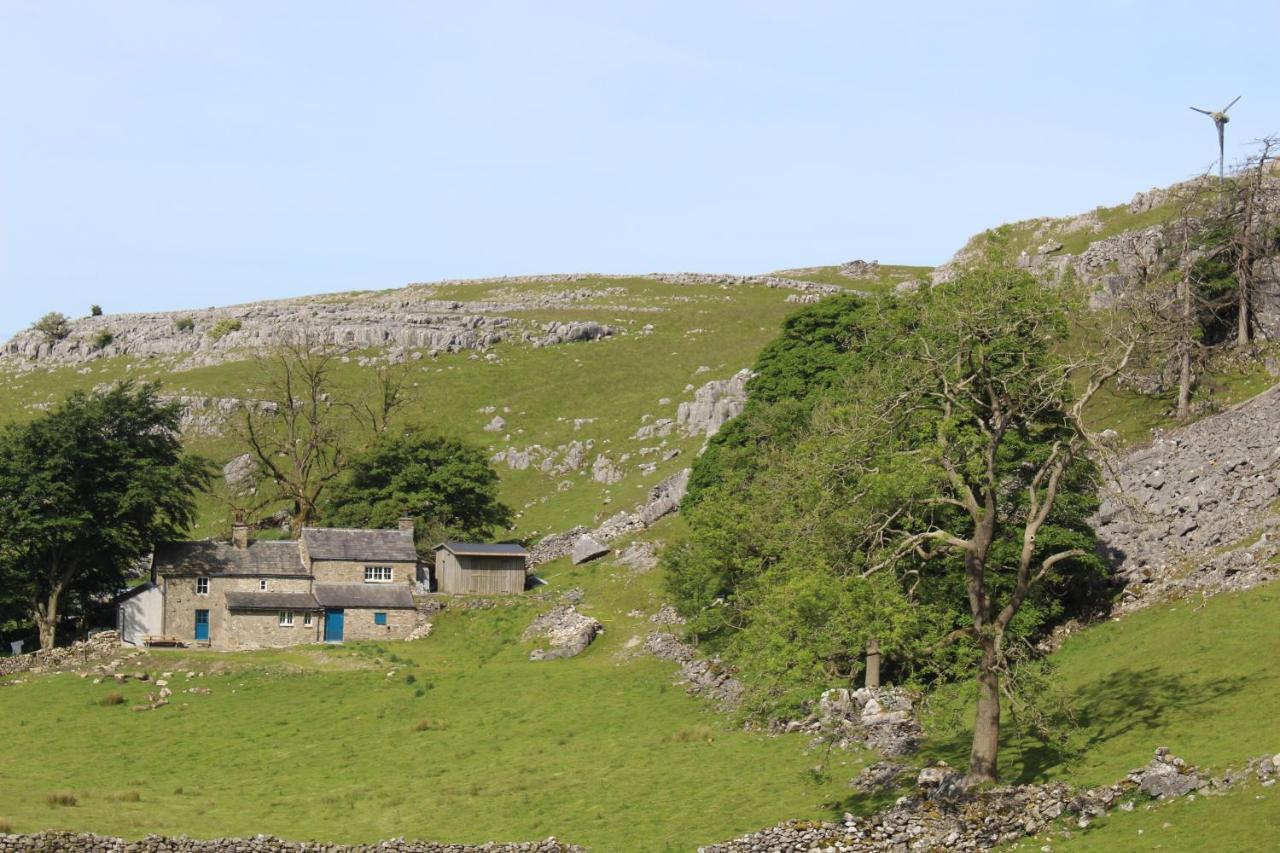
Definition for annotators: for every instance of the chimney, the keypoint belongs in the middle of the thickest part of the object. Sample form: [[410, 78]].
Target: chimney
[[239, 531], [406, 522]]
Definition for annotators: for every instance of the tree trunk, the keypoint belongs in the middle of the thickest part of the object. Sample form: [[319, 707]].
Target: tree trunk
[[986, 728], [46, 619], [1242, 316], [873, 663], [1184, 356]]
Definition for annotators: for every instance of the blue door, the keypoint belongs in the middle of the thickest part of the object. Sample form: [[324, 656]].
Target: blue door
[[202, 624], [333, 626]]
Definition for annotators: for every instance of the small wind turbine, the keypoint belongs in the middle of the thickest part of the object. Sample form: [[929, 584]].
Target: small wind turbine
[[1220, 119]]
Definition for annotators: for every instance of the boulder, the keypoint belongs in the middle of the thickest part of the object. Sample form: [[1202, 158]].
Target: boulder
[[587, 548]]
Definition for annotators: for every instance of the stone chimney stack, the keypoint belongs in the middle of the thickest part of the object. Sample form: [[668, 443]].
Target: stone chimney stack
[[406, 522], [239, 531]]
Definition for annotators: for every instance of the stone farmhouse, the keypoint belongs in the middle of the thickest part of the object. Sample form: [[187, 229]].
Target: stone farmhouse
[[329, 585]]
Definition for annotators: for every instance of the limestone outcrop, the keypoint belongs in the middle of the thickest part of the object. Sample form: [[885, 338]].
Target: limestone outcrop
[[713, 404]]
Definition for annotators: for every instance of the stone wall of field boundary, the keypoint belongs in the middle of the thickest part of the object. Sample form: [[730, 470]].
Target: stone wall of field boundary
[[83, 842]]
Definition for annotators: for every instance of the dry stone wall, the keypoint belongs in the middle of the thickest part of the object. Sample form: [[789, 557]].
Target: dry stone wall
[[83, 842]]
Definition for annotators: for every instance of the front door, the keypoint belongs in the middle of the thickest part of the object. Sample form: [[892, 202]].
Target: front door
[[202, 624], [333, 626]]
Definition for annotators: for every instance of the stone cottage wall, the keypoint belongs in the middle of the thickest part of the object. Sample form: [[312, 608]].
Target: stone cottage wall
[[351, 571], [181, 602], [358, 624], [261, 629]]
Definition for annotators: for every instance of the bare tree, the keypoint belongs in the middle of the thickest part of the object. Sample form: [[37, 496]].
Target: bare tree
[[306, 425], [1251, 234]]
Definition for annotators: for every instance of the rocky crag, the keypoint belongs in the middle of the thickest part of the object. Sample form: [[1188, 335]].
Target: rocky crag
[[408, 319], [1108, 262]]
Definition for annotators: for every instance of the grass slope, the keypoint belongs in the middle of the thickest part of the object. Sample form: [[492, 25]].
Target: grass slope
[[539, 392], [322, 743], [1198, 678]]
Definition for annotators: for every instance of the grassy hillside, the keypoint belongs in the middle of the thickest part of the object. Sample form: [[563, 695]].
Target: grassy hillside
[[700, 332], [457, 737], [889, 276]]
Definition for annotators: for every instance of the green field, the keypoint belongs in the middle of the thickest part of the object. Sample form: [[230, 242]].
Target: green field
[[322, 743]]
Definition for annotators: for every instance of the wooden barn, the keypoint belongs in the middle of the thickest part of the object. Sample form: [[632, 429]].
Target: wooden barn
[[469, 568]]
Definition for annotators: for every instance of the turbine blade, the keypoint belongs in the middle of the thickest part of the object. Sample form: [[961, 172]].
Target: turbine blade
[[1206, 112], [1232, 104]]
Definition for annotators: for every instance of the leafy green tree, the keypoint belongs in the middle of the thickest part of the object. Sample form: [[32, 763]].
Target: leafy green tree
[[85, 491], [967, 446], [941, 438], [95, 310], [54, 326], [447, 485]]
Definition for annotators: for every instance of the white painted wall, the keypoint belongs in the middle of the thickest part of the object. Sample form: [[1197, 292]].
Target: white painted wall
[[140, 614]]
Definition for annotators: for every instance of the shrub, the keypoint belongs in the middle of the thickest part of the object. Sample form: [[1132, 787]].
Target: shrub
[[430, 726], [95, 310], [60, 798], [184, 324], [103, 339], [410, 678], [127, 796], [54, 326], [5, 827], [224, 327], [112, 698]]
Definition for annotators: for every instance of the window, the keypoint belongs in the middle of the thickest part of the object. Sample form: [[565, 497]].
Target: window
[[202, 586], [262, 584], [306, 620], [377, 574], [286, 618], [379, 618]]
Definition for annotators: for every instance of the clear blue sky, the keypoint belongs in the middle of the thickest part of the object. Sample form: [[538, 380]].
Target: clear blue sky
[[158, 155]]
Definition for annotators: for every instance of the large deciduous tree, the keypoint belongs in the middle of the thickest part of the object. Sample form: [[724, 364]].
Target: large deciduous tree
[[966, 441], [302, 430], [447, 485], [85, 491]]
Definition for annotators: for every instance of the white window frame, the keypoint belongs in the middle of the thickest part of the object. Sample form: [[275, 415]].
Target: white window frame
[[262, 585], [202, 582], [307, 619], [373, 574], [286, 618]]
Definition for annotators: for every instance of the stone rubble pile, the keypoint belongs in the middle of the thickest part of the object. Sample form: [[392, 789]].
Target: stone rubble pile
[[881, 718], [568, 632], [83, 842], [710, 678], [1193, 512], [942, 815]]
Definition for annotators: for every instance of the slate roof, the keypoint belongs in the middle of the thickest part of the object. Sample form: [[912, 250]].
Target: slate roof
[[389, 595], [262, 557], [478, 549], [239, 600], [336, 543]]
